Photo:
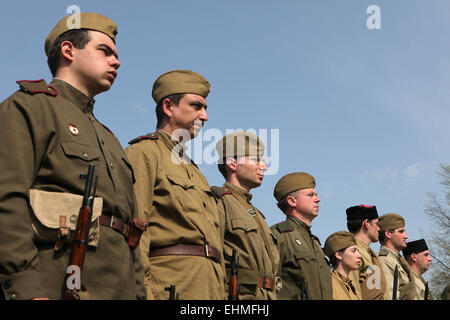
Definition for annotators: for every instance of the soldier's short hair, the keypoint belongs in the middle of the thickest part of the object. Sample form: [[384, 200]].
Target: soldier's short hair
[[78, 37], [282, 204], [174, 98], [382, 235], [334, 260], [355, 225]]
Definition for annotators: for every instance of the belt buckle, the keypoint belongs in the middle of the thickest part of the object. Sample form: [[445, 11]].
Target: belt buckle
[[207, 251]]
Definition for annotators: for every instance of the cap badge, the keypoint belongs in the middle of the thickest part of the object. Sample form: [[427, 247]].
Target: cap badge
[[73, 129]]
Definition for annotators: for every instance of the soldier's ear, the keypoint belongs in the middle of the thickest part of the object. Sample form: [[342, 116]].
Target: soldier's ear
[[67, 50], [167, 106], [231, 164]]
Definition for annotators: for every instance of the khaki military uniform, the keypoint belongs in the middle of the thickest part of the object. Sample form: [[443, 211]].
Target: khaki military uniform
[[369, 279], [389, 260], [420, 287], [49, 137], [343, 288], [247, 231], [303, 265], [175, 198]]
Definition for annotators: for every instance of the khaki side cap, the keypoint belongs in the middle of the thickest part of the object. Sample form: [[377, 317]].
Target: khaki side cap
[[88, 20], [180, 82]]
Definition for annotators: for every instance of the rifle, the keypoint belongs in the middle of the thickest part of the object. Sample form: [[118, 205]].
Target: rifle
[[80, 242], [172, 295], [394, 288], [302, 285], [233, 289]]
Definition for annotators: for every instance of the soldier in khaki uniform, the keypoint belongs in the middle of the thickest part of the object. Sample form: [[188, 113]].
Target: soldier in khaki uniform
[[342, 250], [49, 137], [182, 245], [392, 236], [369, 280], [304, 270], [242, 164], [419, 259]]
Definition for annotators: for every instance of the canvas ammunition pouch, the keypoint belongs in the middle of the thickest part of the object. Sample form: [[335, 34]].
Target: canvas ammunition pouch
[[52, 208]]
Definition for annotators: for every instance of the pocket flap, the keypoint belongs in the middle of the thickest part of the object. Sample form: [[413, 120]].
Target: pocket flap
[[79, 150], [245, 224], [184, 183]]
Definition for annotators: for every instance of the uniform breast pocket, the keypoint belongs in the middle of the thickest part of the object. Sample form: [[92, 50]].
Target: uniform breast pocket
[[304, 257], [80, 151], [244, 225], [183, 193]]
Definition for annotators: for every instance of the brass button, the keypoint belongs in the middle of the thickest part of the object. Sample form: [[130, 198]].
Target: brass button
[[111, 165], [13, 296], [85, 155]]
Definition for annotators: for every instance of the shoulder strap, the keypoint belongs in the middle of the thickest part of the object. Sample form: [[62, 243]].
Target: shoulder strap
[[219, 192], [151, 136], [383, 252], [37, 86], [284, 227]]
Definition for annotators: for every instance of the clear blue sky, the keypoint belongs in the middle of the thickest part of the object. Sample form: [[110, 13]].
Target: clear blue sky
[[364, 111]]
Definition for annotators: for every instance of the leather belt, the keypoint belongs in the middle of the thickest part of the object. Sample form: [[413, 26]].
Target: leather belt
[[115, 223], [189, 250], [266, 283]]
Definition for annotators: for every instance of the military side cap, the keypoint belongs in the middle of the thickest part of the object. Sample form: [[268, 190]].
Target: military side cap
[[390, 221], [179, 82], [361, 212], [338, 241], [240, 144], [292, 182], [87, 20], [415, 247]]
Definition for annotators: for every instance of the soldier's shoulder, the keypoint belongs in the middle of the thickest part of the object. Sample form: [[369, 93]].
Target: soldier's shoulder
[[383, 252], [283, 227], [220, 192], [150, 136], [37, 87]]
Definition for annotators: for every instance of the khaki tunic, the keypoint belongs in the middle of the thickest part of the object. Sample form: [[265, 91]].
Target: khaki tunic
[[405, 288], [40, 152], [420, 287], [369, 279], [247, 231], [175, 198], [343, 288], [301, 261]]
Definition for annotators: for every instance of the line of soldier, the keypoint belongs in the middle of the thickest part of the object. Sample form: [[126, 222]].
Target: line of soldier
[[50, 135]]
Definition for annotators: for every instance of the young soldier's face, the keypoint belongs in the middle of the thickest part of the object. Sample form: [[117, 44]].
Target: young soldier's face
[[372, 230], [351, 257], [95, 66], [250, 171]]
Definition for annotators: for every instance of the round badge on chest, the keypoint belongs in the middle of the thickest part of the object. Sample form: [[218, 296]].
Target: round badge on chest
[[73, 129]]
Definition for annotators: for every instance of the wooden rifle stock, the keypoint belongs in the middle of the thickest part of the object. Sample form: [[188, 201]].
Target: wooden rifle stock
[[233, 289], [81, 239]]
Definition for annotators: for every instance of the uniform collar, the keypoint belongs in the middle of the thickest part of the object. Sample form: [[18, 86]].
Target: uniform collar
[[241, 192], [74, 95], [172, 143], [299, 222]]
